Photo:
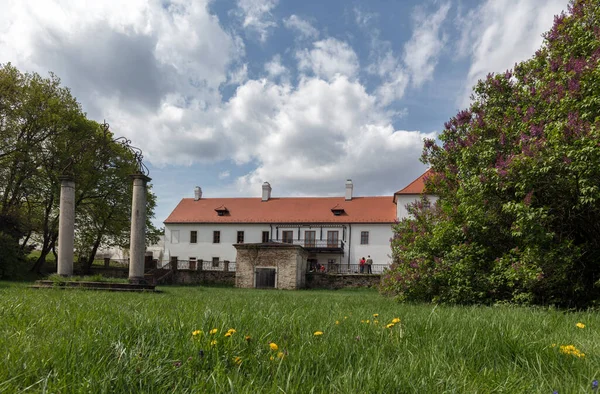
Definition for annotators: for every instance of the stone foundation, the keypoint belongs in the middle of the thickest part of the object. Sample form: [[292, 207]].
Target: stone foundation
[[316, 280]]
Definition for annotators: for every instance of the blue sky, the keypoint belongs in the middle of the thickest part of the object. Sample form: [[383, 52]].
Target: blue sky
[[228, 94]]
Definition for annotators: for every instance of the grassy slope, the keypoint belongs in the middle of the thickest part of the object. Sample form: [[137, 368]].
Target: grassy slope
[[83, 341]]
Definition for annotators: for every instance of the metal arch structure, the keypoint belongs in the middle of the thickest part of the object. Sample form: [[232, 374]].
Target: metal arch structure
[[126, 143]]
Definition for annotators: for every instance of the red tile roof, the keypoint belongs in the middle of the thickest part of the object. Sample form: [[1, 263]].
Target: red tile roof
[[417, 186], [285, 210]]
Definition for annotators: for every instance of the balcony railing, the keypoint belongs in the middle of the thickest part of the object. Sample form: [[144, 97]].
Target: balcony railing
[[314, 243], [347, 268], [199, 265]]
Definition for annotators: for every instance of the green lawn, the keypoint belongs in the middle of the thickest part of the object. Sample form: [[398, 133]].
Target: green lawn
[[83, 341]]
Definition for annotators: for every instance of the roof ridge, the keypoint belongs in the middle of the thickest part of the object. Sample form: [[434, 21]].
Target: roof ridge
[[420, 177]]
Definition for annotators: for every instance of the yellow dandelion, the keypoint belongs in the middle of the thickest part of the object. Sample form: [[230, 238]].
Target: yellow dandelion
[[232, 330], [554, 345], [214, 331], [227, 334], [237, 360], [345, 317], [396, 320], [273, 346], [213, 342], [580, 325], [375, 321], [362, 321], [318, 333], [248, 338], [375, 314], [280, 355], [337, 322], [368, 321], [196, 333], [390, 325], [271, 358], [571, 350]]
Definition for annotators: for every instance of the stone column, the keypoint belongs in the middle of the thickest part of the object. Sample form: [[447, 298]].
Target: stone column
[[137, 236], [66, 226]]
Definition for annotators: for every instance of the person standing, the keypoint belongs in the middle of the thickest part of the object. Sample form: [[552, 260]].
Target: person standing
[[361, 263], [369, 263]]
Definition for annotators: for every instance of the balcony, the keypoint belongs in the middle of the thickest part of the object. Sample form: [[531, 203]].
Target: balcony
[[315, 245]]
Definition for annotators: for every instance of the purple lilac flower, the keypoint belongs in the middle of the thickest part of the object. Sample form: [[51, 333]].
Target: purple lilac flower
[[536, 130], [574, 85], [463, 117]]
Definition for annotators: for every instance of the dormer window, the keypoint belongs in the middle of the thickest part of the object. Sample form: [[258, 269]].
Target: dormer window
[[337, 210], [222, 211]]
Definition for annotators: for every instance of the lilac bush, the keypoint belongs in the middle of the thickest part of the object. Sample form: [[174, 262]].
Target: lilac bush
[[518, 176]]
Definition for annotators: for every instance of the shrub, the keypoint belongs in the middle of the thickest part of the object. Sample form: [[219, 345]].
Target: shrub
[[518, 180]]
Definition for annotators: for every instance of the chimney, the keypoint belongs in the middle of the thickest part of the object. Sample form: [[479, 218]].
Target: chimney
[[349, 188], [266, 187], [197, 193]]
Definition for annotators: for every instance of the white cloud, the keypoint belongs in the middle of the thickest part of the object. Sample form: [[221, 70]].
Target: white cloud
[[319, 134], [422, 51], [154, 74], [239, 76], [496, 36], [256, 16], [328, 58], [303, 27], [364, 19], [275, 69], [224, 174], [130, 54]]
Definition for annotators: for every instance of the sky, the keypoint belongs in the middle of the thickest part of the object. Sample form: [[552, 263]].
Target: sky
[[228, 94]]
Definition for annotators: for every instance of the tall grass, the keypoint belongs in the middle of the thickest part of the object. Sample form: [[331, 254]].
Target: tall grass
[[82, 341]]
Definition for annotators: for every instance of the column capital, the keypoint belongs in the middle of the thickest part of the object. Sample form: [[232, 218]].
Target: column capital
[[141, 176], [66, 178]]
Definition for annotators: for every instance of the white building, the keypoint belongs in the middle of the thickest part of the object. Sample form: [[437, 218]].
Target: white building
[[336, 231]]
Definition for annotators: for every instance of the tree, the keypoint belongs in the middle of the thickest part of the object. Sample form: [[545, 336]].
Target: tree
[[518, 176], [44, 135]]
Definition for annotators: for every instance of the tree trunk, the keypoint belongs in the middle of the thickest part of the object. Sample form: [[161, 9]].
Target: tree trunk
[[90, 260], [26, 240]]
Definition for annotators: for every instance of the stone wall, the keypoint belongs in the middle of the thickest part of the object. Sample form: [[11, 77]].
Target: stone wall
[[288, 260], [187, 277], [317, 280], [312, 280]]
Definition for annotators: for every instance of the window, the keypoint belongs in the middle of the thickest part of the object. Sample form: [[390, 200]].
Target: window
[[240, 237], [265, 237], [175, 237], [193, 237], [288, 237], [332, 239], [309, 239], [216, 237], [215, 262], [364, 237]]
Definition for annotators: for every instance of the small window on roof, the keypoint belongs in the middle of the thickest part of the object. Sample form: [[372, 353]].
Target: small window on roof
[[337, 210], [222, 211]]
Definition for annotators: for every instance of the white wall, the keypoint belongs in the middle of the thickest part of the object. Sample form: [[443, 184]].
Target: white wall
[[405, 199], [205, 249], [378, 246]]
